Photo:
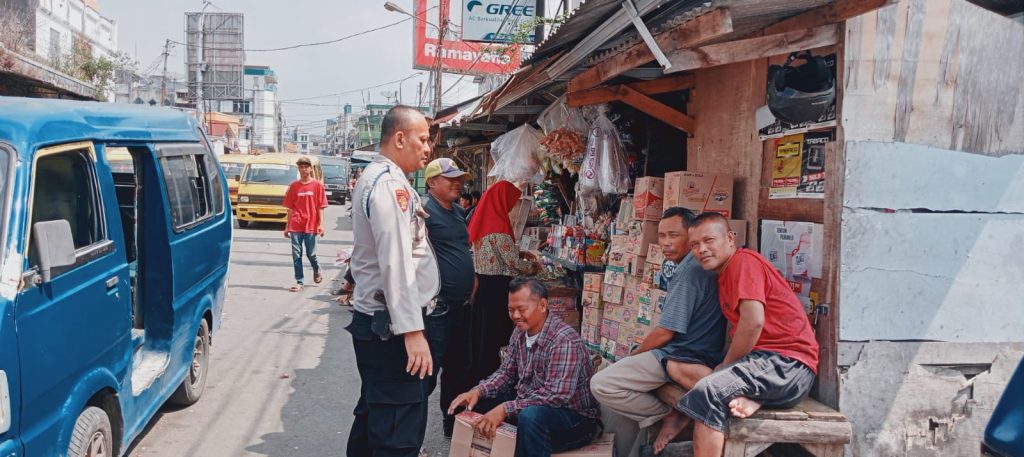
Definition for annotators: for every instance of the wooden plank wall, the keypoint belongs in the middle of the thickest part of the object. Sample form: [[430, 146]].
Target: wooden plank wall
[[942, 73], [726, 141]]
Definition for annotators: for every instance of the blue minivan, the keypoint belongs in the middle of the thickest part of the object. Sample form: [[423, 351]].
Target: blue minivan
[[115, 238]]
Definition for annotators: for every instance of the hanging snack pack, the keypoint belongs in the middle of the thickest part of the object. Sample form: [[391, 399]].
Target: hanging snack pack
[[604, 164], [516, 155]]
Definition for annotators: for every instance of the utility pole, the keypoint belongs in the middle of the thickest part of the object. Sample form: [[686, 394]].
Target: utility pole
[[252, 116], [443, 11], [163, 79], [419, 95]]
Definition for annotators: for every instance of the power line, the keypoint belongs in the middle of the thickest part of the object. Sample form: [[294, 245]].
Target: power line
[[353, 90], [296, 46]]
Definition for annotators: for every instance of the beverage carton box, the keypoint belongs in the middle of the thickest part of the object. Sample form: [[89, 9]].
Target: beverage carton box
[[592, 299], [738, 227], [611, 294], [615, 276], [648, 198], [592, 316], [654, 254], [641, 235], [699, 192], [592, 282]]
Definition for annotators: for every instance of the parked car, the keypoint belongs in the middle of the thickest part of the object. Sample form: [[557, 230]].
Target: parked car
[[232, 164], [336, 175], [265, 180], [113, 274]]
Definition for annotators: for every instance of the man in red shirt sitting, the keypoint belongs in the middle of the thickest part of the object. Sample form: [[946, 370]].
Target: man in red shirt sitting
[[305, 201], [773, 357]]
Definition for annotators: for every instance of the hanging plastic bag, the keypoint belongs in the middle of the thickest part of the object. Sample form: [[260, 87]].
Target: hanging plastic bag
[[604, 165], [517, 156]]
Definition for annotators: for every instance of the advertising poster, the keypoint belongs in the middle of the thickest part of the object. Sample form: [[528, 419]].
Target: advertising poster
[[452, 54], [786, 167], [798, 165], [496, 21], [812, 165], [796, 250]]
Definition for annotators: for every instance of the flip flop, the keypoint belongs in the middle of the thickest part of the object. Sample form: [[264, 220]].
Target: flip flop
[[317, 277], [295, 288]]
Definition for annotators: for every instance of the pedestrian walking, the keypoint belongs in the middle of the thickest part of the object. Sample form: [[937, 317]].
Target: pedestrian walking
[[396, 280], [496, 259], [448, 326], [305, 200]]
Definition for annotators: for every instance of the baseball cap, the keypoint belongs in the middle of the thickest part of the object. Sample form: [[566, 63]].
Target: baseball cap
[[304, 160], [443, 167]]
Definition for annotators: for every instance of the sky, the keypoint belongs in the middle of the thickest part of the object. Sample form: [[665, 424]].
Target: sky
[[360, 62]]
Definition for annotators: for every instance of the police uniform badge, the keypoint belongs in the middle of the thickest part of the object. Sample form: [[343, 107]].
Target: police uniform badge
[[402, 196]]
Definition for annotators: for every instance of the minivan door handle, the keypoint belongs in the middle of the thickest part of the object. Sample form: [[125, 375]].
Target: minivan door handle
[[112, 283]]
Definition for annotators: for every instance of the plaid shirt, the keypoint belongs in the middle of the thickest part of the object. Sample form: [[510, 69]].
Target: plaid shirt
[[555, 373]]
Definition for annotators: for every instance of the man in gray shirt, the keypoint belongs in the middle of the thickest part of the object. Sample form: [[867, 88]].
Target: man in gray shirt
[[691, 331]]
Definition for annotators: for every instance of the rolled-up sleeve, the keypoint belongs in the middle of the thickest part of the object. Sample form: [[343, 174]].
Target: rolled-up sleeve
[[393, 235]]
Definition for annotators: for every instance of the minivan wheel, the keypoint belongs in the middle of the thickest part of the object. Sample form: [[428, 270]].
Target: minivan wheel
[[194, 384], [244, 224], [93, 436]]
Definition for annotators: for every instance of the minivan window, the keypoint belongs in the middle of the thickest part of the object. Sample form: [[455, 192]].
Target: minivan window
[[271, 173], [216, 188], [65, 188], [188, 190], [5, 179]]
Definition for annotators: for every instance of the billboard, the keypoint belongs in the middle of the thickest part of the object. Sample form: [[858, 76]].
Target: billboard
[[497, 20], [455, 55]]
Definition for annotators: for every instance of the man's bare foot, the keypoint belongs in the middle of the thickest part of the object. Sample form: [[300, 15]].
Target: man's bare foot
[[671, 425], [743, 407]]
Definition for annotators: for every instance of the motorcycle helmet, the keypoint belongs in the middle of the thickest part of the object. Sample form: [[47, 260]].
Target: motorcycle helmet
[[801, 94]]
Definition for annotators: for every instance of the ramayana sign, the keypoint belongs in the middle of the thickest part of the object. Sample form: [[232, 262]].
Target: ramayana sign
[[456, 56], [496, 20]]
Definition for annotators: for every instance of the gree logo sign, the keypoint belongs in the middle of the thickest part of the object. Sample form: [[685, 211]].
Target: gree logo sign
[[507, 10]]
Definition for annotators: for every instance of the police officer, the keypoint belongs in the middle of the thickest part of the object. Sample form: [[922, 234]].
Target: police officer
[[396, 279]]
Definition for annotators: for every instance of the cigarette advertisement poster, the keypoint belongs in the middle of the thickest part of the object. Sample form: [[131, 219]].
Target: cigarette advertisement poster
[[798, 166]]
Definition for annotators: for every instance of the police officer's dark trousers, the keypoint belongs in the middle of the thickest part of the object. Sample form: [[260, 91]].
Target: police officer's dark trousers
[[391, 416]]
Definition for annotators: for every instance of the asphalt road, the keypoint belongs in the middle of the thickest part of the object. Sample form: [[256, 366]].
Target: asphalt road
[[283, 379]]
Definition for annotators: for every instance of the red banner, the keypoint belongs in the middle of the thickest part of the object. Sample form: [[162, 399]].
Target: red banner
[[456, 56]]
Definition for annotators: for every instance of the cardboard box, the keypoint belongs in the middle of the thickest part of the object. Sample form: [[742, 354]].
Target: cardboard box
[[608, 348], [591, 335], [699, 192], [738, 227], [652, 274], [466, 442], [626, 211], [658, 298], [655, 255], [559, 303], [592, 282], [593, 316], [616, 276], [618, 313], [609, 329], [636, 264], [619, 242], [611, 294], [648, 198], [592, 299], [617, 259], [641, 235]]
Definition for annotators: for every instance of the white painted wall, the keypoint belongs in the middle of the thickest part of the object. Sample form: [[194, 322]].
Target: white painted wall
[[71, 17]]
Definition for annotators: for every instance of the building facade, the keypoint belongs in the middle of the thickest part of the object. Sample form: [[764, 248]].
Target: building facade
[[60, 22], [260, 109]]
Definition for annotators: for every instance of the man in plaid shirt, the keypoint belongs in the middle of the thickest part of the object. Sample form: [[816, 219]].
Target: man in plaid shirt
[[543, 383]]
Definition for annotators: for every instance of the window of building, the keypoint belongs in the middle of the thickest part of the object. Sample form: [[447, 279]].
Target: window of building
[[76, 198], [241, 106], [54, 43]]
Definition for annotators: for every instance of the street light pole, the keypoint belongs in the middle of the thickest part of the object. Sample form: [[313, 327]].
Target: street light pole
[[436, 72]]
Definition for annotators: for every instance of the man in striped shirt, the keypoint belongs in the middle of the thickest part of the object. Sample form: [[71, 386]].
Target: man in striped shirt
[[543, 382]]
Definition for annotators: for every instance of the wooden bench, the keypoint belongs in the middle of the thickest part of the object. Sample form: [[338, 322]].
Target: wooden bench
[[820, 430]]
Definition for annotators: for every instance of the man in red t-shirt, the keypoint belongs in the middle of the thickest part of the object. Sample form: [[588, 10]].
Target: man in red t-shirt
[[773, 357], [305, 201]]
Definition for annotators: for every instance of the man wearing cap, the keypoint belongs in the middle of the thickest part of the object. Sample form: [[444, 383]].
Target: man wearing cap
[[305, 201], [448, 326], [396, 281]]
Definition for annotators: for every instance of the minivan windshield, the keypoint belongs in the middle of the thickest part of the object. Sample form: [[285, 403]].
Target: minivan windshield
[[270, 173], [232, 169], [334, 171]]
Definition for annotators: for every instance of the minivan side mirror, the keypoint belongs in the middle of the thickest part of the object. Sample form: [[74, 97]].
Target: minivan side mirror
[[53, 243], [238, 178]]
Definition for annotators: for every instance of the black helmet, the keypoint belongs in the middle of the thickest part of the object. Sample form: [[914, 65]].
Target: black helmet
[[801, 94]]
